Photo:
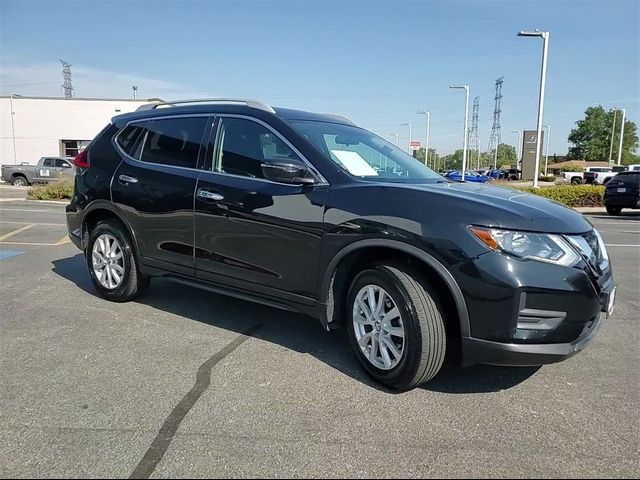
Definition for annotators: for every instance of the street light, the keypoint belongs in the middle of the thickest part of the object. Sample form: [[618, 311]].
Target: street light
[[466, 114], [410, 135], [624, 112], [519, 146], [426, 145], [546, 155], [613, 131], [13, 127], [543, 80]]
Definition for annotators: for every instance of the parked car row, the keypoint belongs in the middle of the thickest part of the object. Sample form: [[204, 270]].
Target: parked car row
[[482, 175], [597, 175]]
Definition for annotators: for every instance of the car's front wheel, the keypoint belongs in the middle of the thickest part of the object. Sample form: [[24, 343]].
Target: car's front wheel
[[395, 326], [112, 263]]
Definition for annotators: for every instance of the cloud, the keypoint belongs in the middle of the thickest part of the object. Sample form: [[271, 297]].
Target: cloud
[[45, 79]]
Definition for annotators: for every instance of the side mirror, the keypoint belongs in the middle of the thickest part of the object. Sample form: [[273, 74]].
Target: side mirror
[[286, 172]]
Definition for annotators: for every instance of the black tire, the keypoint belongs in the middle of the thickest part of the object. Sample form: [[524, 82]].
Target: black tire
[[576, 181], [421, 314], [614, 210], [133, 282], [19, 181]]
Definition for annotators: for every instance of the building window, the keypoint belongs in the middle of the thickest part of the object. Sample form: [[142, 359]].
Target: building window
[[71, 148]]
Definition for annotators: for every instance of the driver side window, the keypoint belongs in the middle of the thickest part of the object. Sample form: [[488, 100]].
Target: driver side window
[[244, 146]]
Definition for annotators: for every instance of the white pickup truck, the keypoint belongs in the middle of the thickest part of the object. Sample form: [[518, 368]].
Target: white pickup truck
[[603, 174]]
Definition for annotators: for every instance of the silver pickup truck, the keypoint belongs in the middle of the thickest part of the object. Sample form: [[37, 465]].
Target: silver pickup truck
[[47, 170]]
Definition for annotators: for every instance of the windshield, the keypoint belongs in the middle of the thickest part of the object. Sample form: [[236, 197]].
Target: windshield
[[363, 154]]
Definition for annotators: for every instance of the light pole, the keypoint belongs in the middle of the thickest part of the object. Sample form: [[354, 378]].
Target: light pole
[[543, 80], [546, 154], [135, 91], [426, 145], [613, 131], [13, 127], [410, 135], [397, 138], [466, 114], [624, 113], [518, 146]]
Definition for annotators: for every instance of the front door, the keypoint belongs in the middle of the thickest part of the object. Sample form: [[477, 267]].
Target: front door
[[154, 187], [252, 233]]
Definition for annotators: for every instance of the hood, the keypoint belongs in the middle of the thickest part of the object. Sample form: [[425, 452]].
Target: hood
[[504, 207]]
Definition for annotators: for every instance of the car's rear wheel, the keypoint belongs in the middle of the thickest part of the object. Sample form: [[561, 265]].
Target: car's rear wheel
[[19, 181], [395, 326], [112, 264], [614, 210]]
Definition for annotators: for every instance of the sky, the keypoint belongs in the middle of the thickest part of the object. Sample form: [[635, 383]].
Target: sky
[[377, 62]]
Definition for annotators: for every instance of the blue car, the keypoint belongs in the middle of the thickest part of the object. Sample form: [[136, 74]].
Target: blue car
[[456, 176]]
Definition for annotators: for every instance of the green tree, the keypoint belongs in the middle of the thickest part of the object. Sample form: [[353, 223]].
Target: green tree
[[433, 156], [591, 139], [507, 155]]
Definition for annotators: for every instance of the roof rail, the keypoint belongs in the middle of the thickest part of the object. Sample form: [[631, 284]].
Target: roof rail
[[249, 103]]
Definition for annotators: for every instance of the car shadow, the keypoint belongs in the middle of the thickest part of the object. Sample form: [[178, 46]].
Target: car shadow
[[293, 331], [625, 216]]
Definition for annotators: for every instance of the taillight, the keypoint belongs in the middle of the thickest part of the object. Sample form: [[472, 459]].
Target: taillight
[[81, 160]]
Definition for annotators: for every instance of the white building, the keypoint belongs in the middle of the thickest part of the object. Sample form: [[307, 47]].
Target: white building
[[34, 127]]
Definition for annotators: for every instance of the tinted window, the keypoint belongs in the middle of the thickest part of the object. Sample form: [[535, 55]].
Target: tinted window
[[130, 139], [628, 178], [244, 145], [48, 162], [174, 141], [62, 163]]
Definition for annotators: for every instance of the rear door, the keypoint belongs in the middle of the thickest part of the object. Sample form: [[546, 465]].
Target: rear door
[[155, 183], [253, 233]]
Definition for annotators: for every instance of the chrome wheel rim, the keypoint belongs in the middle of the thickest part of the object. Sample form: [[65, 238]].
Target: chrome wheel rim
[[378, 327], [108, 261], [19, 182]]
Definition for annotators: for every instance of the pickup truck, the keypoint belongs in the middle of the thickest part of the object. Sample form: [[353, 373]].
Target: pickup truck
[[47, 170], [599, 175], [578, 178]]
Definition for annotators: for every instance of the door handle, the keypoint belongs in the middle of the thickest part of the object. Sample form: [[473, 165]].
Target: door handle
[[126, 179], [207, 195]]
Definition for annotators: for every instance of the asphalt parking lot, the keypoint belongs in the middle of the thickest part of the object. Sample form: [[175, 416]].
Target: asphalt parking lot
[[186, 383]]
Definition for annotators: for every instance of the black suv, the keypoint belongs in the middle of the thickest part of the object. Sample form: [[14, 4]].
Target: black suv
[[311, 213], [623, 191]]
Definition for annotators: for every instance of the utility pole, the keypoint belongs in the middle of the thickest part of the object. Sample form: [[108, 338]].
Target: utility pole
[[397, 138], [466, 122], [135, 91], [613, 131], [624, 112], [495, 138], [426, 145], [410, 135], [474, 139], [66, 77]]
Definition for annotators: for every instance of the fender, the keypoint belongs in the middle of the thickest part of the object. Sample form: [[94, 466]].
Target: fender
[[107, 205], [440, 269]]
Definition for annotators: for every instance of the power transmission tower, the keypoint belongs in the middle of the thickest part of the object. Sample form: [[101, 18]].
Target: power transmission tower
[[496, 137], [66, 77], [474, 139]]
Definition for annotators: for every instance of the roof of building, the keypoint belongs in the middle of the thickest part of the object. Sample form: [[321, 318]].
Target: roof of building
[[29, 97], [577, 163]]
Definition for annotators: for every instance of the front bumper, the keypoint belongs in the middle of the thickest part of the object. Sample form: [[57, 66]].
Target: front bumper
[[526, 314]]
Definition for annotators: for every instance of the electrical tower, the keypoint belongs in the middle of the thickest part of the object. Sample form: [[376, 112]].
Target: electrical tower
[[496, 137], [474, 140], [66, 77]]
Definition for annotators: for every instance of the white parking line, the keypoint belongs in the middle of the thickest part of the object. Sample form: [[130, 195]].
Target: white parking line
[[27, 223], [16, 231], [30, 210], [620, 245]]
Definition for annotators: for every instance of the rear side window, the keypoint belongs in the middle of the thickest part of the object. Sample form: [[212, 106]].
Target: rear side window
[[174, 141], [130, 139], [629, 178]]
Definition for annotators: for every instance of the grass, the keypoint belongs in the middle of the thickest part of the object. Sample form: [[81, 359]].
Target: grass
[[58, 190]]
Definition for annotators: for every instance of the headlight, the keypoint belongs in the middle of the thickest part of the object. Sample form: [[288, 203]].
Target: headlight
[[536, 246]]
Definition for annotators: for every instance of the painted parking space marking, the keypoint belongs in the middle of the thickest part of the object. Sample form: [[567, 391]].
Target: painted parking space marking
[[4, 254], [27, 223], [16, 231]]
